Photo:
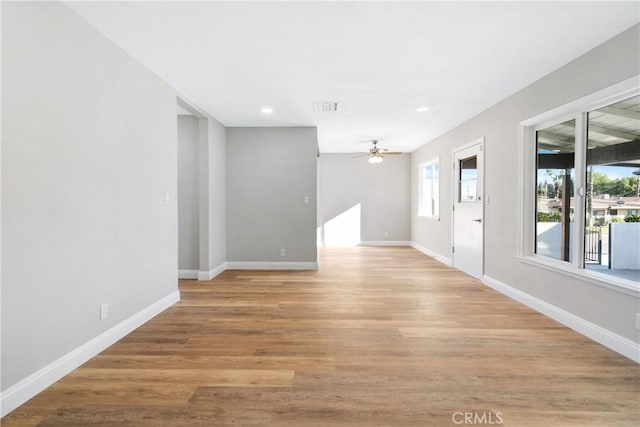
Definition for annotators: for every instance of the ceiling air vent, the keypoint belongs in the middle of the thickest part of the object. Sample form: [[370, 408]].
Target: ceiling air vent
[[325, 107]]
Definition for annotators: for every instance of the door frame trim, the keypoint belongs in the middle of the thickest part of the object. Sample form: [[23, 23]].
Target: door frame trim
[[478, 141]]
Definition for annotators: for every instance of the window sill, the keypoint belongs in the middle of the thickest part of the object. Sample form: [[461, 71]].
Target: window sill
[[431, 218], [618, 284]]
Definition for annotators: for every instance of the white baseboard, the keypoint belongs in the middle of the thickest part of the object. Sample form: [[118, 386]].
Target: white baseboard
[[385, 243], [24, 390], [241, 265], [443, 259], [208, 275], [611, 340], [187, 274], [322, 243]]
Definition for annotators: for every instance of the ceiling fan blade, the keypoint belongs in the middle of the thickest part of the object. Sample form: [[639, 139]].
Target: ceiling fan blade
[[360, 155], [384, 153]]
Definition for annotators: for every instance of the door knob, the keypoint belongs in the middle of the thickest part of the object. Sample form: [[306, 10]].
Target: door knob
[[477, 220]]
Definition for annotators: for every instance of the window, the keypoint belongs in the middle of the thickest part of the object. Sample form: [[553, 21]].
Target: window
[[555, 156], [468, 180], [429, 204], [581, 184]]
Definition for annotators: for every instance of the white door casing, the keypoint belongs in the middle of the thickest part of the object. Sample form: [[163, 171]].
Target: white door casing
[[468, 208]]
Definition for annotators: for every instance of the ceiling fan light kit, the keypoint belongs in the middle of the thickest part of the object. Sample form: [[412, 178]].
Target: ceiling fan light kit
[[376, 155]]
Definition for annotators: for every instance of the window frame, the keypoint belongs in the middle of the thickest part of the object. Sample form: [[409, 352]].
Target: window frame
[[421, 182], [577, 110]]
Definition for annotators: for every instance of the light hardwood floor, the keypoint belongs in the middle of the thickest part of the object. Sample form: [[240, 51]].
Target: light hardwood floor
[[376, 337]]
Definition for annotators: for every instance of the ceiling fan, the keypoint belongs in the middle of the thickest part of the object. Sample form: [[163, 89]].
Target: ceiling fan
[[376, 154]]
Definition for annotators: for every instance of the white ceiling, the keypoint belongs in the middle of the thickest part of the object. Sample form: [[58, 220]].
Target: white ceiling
[[379, 60]]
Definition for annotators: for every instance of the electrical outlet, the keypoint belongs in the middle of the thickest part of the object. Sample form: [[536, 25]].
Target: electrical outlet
[[104, 311], [283, 252], [637, 320], [386, 234]]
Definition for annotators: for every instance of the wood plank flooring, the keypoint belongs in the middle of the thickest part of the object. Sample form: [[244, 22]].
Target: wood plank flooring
[[376, 337]]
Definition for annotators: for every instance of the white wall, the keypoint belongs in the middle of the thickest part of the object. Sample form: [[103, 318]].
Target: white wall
[[379, 192], [88, 153], [269, 172], [549, 239], [612, 62], [624, 251], [188, 204]]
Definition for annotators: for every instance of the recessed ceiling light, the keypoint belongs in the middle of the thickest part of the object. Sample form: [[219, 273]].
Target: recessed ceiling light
[[266, 110], [422, 109]]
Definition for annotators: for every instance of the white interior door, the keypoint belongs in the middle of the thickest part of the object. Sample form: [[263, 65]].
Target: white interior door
[[468, 212]]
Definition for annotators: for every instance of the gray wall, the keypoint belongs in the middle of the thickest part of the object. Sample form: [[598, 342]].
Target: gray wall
[[217, 190], [612, 62], [269, 172], [188, 211], [382, 191], [88, 153], [202, 188]]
